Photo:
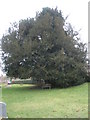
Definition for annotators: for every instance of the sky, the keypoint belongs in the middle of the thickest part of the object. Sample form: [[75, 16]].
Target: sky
[[15, 10]]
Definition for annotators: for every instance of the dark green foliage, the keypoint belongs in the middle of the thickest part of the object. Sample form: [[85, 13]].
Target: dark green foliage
[[44, 48], [88, 77]]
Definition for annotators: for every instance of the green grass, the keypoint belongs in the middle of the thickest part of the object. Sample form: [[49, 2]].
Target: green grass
[[24, 102]]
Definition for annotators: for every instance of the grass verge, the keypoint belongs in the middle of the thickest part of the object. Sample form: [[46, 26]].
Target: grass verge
[[23, 101]]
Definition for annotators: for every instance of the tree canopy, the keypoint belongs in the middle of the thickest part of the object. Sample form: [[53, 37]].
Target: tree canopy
[[46, 48]]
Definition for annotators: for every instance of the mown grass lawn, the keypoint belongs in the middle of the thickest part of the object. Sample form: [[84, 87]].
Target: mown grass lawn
[[24, 102]]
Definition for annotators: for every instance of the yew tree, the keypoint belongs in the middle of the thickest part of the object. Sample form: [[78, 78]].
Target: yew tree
[[46, 48]]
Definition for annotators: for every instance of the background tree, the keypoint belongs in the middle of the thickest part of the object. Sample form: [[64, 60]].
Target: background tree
[[45, 48]]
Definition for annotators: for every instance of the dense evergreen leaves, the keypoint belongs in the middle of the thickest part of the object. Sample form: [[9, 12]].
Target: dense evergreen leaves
[[45, 48]]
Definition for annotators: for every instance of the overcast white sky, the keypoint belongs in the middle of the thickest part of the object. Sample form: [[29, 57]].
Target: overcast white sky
[[15, 10]]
